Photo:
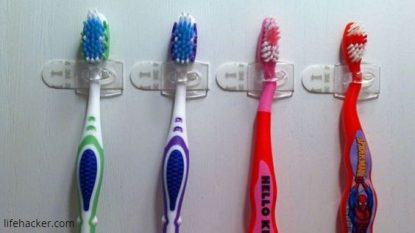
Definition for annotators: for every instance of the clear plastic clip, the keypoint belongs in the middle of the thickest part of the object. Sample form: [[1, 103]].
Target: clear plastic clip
[[335, 79], [76, 75], [243, 77], [156, 76]]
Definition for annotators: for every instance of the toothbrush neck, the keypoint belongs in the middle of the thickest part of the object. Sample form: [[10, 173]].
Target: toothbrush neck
[[94, 99], [357, 76], [178, 120], [180, 101], [350, 118], [269, 70], [268, 89], [93, 117]]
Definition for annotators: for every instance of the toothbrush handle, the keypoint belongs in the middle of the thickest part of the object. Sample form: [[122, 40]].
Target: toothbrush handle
[[359, 201], [175, 172], [89, 165], [263, 186]]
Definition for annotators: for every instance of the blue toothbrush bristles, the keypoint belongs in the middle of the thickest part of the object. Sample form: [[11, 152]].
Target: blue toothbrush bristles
[[95, 37], [184, 40]]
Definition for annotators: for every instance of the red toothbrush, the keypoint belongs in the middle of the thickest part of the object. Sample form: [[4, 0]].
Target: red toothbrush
[[358, 205], [263, 186]]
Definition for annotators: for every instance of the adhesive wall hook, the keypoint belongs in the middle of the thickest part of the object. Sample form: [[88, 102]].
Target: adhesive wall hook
[[244, 77], [76, 75], [335, 79], [157, 76]]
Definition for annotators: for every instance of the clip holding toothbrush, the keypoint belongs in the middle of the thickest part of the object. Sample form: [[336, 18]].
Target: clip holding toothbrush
[[162, 76], [78, 74], [183, 47], [249, 77], [359, 201], [263, 184], [335, 79]]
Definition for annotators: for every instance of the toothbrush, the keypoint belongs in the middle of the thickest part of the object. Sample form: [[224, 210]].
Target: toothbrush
[[90, 160], [176, 153], [359, 202], [263, 186]]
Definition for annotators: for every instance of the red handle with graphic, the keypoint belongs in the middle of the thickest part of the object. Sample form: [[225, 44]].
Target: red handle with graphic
[[359, 202], [263, 186]]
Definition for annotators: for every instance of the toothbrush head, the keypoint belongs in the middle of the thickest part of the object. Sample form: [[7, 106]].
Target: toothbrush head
[[95, 37], [353, 45], [183, 41], [268, 47]]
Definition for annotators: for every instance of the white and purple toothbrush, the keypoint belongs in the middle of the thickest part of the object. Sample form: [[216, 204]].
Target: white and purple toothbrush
[[176, 153]]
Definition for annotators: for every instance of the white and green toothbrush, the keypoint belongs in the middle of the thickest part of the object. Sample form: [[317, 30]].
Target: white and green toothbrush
[[90, 160]]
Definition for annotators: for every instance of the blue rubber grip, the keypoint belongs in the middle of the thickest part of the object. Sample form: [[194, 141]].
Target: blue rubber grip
[[175, 171], [88, 170]]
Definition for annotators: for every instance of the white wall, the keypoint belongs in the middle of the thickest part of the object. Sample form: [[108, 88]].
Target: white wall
[[40, 127]]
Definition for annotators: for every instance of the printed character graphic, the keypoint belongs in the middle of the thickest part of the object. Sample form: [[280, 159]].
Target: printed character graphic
[[360, 206]]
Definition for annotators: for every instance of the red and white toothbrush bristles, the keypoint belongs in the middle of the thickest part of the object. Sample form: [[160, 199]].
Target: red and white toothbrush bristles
[[356, 50], [353, 47], [269, 49]]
